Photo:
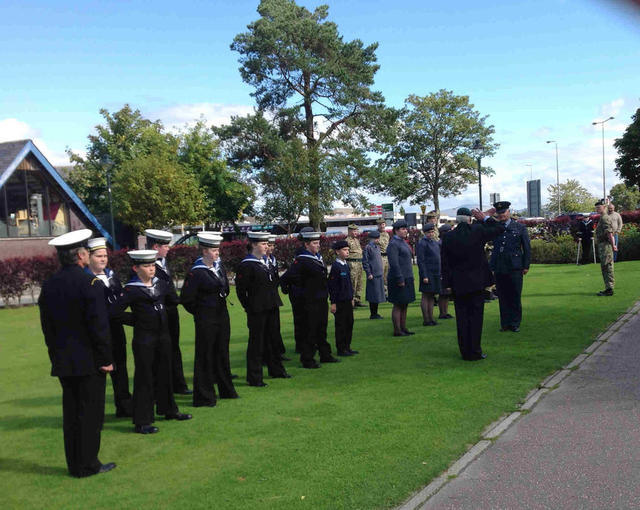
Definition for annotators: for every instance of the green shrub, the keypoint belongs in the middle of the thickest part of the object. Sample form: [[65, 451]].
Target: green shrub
[[560, 250]]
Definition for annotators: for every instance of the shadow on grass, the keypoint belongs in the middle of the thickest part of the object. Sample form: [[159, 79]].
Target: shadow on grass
[[29, 468], [560, 294], [21, 422], [34, 401]]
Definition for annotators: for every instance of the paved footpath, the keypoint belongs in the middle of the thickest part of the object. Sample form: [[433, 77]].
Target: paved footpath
[[578, 447]]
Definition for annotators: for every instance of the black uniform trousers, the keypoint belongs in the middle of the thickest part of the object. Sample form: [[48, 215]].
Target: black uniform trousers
[[509, 287], [315, 336], [344, 325], [211, 363], [469, 316], [152, 355], [586, 257], [263, 345], [120, 374], [299, 321], [179, 384], [82, 418]]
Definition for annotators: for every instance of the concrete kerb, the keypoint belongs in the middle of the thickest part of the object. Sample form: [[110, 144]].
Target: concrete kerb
[[497, 428]]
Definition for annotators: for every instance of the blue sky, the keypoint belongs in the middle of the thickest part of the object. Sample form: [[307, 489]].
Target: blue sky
[[539, 69]]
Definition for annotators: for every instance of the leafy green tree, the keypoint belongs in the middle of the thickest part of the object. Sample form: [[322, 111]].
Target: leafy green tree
[[124, 136], [153, 191], [628, 147], [625, 198], [227, 194], [434, 155], [573, 198], [315, 86]]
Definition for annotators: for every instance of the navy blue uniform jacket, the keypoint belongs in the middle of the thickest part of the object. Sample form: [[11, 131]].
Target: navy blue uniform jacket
[[511, 249], [340, 288]]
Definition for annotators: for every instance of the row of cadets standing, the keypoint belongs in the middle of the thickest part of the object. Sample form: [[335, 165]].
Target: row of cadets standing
[[341, 298], [106, 278], [373, 266], [147, 296], [75, 324], [308, 273], [204, 295], [257, 291], [159, 240]]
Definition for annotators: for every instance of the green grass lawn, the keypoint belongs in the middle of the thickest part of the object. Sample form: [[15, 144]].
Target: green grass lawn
[[364, 433]]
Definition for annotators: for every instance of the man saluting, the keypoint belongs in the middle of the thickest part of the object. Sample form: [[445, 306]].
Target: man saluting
[[75, 324]]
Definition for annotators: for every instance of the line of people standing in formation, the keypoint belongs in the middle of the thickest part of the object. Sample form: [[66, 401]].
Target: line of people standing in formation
[[84, 306]]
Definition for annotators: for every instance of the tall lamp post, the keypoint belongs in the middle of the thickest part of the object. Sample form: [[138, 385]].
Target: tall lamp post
[[107, 164], [477, 146], [557, 174], [601, 122]]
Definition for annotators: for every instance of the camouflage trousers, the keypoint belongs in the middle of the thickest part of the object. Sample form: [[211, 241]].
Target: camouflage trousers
[[385, 272], [605, 253], [356, 280]]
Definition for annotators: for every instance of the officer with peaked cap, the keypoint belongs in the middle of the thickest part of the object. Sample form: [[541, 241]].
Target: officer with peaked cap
[[204, 296], [355, 263], [510, 261], [258, 294], [97, 268], [159, 240], [75, 324], [148, 296], [465, 270], [309, 273]]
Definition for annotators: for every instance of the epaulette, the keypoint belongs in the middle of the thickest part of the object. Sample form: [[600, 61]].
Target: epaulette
[[96, 279]]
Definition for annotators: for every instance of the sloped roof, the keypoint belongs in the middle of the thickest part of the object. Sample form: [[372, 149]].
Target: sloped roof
[[12, 153]]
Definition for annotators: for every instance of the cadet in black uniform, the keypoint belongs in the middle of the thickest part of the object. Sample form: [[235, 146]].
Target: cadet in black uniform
[[146, 295], [341, 297], [204, 296], [75, 324], [310, 274], [159, 240], [510, 262], [296, 298], [585, 234], [272, 264], [97, 268], [258, 294]]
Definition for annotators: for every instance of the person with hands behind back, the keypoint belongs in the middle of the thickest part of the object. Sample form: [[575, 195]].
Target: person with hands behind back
[[341, 298]]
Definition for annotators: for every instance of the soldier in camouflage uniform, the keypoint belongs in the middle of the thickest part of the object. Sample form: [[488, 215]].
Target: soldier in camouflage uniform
[[383, 242], [432, 218], [606, 246], [355, 264]]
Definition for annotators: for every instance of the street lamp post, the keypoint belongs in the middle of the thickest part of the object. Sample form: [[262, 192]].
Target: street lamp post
[[557, 174], [477, 146], [601, 122], [107, 163]]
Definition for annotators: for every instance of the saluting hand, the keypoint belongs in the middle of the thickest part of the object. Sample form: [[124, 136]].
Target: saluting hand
[[108, 368]]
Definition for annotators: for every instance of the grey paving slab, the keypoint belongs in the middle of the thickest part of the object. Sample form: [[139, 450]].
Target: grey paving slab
[[579, 447]]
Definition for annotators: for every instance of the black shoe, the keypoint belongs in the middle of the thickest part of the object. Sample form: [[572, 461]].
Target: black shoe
[[259, 385], [606, 292], [504, 328], [330, 359], [178, 416], [406, 331], [515, 329], [354, 352], [402, 333], [284, 358], [376, 316], [107, 467], [186, 391], [359, 305], [344, 353], [146, 429], [430, 323], [315, 364], [483, 356], [212, 404], [234, 376], [281, 376], [447, 316]]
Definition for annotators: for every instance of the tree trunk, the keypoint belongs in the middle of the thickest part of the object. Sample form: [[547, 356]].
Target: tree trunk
[[315, 217]]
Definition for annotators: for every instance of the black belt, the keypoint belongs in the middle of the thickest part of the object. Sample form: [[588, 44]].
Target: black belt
[[354, 260], [384, 254]]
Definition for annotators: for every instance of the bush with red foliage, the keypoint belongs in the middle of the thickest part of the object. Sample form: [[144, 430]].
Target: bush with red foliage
[[13, 279], [38, 269]]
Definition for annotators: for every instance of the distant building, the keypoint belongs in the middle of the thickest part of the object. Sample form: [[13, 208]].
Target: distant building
[[36, 203]]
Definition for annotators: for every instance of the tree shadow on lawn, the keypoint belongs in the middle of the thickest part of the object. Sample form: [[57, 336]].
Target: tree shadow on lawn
[[28, 467]]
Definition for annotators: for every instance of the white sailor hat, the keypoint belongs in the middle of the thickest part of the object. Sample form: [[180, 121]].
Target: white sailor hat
[[258, 236], [97, 243], [158, 236], [212, 232], [272, 238], [142, 256], [209, 240], [310, 236], [71, 239]]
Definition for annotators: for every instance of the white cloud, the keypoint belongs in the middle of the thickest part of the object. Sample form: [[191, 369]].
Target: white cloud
[[612, 108], [14, 129], [216, 114]]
